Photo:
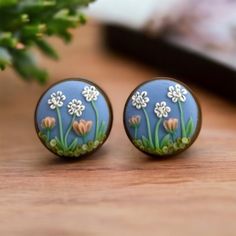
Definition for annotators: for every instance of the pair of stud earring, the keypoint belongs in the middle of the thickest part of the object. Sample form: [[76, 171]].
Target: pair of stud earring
[[162, 117]]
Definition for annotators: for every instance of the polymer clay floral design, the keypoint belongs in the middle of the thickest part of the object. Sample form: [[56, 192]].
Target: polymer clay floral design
[[76, 107], [161, 109], [82, 128], [56, 100], [140, 100], [170, 142], [171, 125], [48, 122], [90, 93], [177, 93], [80, 145], [134, 122]]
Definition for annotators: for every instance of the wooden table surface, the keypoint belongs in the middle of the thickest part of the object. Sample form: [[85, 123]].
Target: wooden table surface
[[118, 190]]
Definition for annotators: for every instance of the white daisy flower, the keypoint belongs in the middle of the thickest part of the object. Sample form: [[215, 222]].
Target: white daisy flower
[[75, 107], [161, 109], [56, 99], [90, 93], [140, 99], [176, 93]]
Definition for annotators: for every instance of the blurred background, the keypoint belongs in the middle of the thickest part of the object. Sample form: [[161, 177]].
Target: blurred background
[[191, 39], [194, 40]]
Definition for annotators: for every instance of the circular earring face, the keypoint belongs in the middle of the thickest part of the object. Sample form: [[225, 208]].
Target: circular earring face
[[73, 118], [162, 117]]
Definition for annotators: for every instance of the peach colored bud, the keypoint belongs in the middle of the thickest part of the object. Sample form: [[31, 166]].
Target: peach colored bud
[[134, 121], [170, 125], [48, 122], [82, 127]]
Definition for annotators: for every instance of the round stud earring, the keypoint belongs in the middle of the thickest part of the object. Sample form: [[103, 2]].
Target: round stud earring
[[162, 117], [73, 118]]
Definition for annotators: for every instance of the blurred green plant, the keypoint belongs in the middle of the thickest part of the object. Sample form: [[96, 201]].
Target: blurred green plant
[[25, 23]]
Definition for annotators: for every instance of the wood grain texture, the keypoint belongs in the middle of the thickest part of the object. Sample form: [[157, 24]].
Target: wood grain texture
[[118, 190]]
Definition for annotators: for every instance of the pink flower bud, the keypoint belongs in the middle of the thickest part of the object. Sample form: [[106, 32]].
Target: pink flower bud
[[134, 121], [48, 122], [170, 125], [82, 127]]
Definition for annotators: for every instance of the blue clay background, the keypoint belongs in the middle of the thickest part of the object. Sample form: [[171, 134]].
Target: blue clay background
[[72, 89], [157, 91]]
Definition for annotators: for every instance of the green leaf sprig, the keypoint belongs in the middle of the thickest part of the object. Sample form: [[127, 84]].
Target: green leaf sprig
[[25, 23]]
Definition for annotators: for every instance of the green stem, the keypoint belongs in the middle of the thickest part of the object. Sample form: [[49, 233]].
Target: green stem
[[69, 129], [97, 119], [182, 120], [135, 132], [60, 125], [48, 134], [73, 144], [157, 145], [149, 128], [83, 139], [173, 136]]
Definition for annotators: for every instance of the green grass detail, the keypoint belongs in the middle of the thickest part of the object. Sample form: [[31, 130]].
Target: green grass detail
[[74, 149]]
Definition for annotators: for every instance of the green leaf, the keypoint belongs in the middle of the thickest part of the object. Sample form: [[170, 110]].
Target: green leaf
[[47, 49], [60, 145], [33, 30], [7, 3], [146, 142], [24, 64], [101, 129], [27, 22], [7, 40], [73, 144], [34, 6], [61, 14], [189, 127], [165, 140], [82, 19]]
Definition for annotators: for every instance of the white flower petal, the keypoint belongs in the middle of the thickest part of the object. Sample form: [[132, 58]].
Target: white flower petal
[[165, 114], [182, 98], [171, 88], [144, 94], [174, 99], [170, 94], [177, 87], [146, 99], [60, 104], [163, 103], [168, 109]]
